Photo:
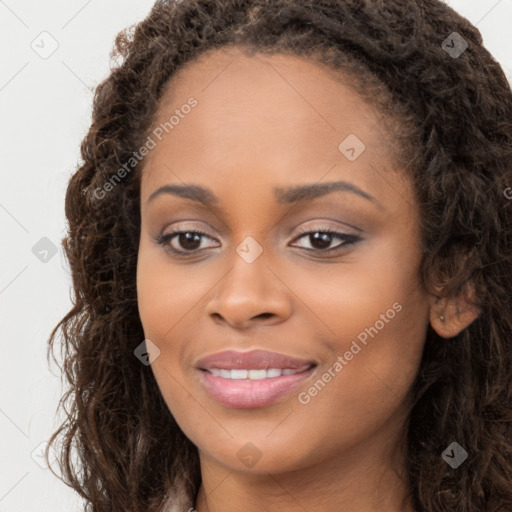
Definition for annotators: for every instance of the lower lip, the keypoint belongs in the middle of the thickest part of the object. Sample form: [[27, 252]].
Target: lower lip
[[246, 394]]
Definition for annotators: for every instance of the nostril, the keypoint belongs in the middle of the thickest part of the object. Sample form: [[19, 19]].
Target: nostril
[[264, 315]]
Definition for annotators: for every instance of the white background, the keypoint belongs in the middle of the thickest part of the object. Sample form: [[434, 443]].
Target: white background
[[45, 107]]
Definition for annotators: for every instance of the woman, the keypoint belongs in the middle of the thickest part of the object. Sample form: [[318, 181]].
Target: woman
[[291, 249]]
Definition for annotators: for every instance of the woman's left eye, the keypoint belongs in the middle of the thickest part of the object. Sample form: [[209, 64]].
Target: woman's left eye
[[189, 241], [320, 240]]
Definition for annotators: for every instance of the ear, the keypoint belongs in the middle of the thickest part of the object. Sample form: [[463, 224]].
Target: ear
[[448, 317]]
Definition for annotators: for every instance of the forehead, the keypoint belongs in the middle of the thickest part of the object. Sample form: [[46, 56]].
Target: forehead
[[260, 116]]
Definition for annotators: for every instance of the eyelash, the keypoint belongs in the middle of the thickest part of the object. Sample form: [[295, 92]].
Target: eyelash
[[349, 240]]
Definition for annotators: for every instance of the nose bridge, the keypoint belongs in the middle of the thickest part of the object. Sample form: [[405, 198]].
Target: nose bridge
[[248, 279]]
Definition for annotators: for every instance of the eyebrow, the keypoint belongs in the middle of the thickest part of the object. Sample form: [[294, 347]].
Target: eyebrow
[[296, 194]]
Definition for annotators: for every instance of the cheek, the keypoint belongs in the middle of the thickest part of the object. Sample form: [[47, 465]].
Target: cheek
[[355, 397], [166, 300], [166, 293], [171, 303], [351, 296], [377, 316]]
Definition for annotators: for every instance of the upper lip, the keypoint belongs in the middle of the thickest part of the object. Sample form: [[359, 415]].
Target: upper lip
[[252, 360]]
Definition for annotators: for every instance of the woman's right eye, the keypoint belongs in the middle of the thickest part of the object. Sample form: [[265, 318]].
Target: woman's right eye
[[188, 241]]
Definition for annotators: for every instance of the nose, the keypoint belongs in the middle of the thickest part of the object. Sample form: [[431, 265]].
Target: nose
[[250, 294]]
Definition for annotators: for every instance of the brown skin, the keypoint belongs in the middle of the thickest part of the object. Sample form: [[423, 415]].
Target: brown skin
[[260, 123]]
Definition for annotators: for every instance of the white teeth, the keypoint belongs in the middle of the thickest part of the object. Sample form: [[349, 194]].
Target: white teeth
[[243, 374], [239, 374], [257, 374]]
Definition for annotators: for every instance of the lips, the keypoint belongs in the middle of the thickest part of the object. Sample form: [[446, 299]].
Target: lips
[[253, 360], [252, 379]]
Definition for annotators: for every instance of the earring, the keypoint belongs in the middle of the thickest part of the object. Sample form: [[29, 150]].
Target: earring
[[442, 318]]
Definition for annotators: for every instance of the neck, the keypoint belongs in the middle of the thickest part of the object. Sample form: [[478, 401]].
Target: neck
[[362, 480]]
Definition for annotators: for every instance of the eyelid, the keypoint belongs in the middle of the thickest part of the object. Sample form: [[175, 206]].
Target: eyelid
[[325, 226], [186, 226]]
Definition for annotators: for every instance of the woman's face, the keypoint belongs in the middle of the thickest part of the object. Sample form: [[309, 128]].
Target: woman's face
[[344, 308]]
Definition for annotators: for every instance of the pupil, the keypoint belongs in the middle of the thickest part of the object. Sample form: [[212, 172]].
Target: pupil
[[320, 240], [190, 241]]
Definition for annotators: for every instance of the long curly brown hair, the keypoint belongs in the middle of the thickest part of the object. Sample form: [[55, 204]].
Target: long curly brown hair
[[450, 119]]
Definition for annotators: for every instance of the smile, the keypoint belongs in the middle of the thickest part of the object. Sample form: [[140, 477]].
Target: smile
[[245, 374], [251, 379], [249, 389]]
